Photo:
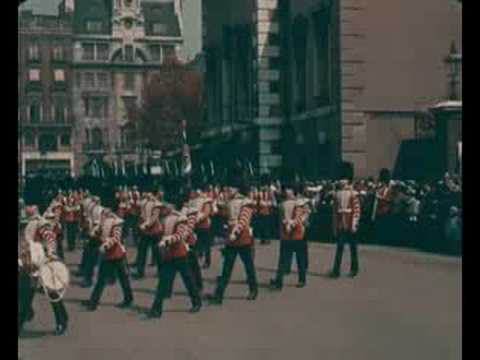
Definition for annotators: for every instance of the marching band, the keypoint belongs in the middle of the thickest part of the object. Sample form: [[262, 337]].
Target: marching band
[[180, 226]]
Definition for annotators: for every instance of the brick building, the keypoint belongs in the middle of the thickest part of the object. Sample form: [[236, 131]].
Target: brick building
[[45, 113], [303, 84], [117, 44]]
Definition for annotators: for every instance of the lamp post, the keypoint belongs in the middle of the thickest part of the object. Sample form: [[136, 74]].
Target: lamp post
[[454, 63]]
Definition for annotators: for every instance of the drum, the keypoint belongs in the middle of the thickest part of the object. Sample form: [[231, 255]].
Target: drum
[[55, 278]]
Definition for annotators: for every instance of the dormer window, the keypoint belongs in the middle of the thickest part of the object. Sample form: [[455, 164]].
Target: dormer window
[[158, 28]]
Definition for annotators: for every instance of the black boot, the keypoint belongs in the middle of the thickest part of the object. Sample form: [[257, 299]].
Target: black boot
[[253, 294], [334, 274], [214, 299], [125, 304], [60, 329], [275, 284], [195, 308], [86, 284], [89, 305]]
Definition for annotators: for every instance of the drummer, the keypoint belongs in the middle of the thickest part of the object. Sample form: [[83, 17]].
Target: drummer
[[37, 246]]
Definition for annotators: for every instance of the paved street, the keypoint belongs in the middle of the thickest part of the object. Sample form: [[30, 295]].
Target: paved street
[[403, 305]]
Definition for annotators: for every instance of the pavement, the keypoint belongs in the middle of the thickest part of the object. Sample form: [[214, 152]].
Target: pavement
[[403, 305]]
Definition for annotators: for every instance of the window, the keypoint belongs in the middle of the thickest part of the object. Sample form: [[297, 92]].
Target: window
[[47, 142], [322, 57], [128, 3], [155, 52], [94, 26], [35, 111], [129, 81], [59, 75], [29, 138], [96, 107], [96, 137], [89, 80], [129, 53], [57, 52], [34, 75], [88, 52], [65, 140], [158, 28], [33, 52], [102, 80], [59, 111], [78, 78], [102, 51], [169, 51], [128, 23]]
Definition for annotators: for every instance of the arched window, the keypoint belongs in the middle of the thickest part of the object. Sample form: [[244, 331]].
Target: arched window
[[35, 111], [96, 138]]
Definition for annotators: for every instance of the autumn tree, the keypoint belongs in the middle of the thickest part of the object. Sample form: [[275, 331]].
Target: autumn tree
[[171, 95]]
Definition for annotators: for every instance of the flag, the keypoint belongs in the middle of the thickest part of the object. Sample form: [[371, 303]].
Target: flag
[[186, 158]]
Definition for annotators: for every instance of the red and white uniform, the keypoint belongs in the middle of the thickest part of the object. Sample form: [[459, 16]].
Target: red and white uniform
[[265, 200], [383, 199], [111, 238], [38, 230], [240, 213], [294, 212], [151, 224], [134, 203], [347, 210], [70, 210], [174, 240]]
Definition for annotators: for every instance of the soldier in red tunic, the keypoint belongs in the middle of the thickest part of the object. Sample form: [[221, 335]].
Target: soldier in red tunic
[[57, 209], [174, 250], [294, 213], [150, 229], [38, 231], [239, 241], [266, 201], [70, 219], [113, 261], [346, 211]]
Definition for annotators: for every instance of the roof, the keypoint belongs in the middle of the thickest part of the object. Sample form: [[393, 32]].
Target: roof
[[41, 7], [163, 12]]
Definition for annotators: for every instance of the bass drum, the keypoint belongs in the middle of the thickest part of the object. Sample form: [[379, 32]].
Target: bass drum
[[55, 278]]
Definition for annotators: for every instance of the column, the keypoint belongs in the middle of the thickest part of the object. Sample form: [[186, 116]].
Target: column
[[267, 85]]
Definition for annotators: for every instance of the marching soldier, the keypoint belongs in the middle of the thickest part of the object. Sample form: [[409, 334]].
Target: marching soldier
[[113, 261], [239, 241], [90, 251], [382, 207], [38, 232], [203, 227], [294, 213], [150, 230], [133, 212], [56, 208], [71, 221], [266, 201], [174, 250], [192, 213], [346, 218]]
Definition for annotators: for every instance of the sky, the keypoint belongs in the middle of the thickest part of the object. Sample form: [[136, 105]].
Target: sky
[[50, 7]]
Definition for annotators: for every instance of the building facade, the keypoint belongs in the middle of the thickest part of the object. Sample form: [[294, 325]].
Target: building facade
[[117, 45], [45, 115], [301, 85]]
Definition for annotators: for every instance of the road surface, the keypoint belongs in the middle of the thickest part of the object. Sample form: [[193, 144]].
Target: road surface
[[403, 305]]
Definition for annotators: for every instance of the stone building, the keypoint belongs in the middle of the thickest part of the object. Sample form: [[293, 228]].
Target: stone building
[[45, 113], [302, 84], [117, 44]]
